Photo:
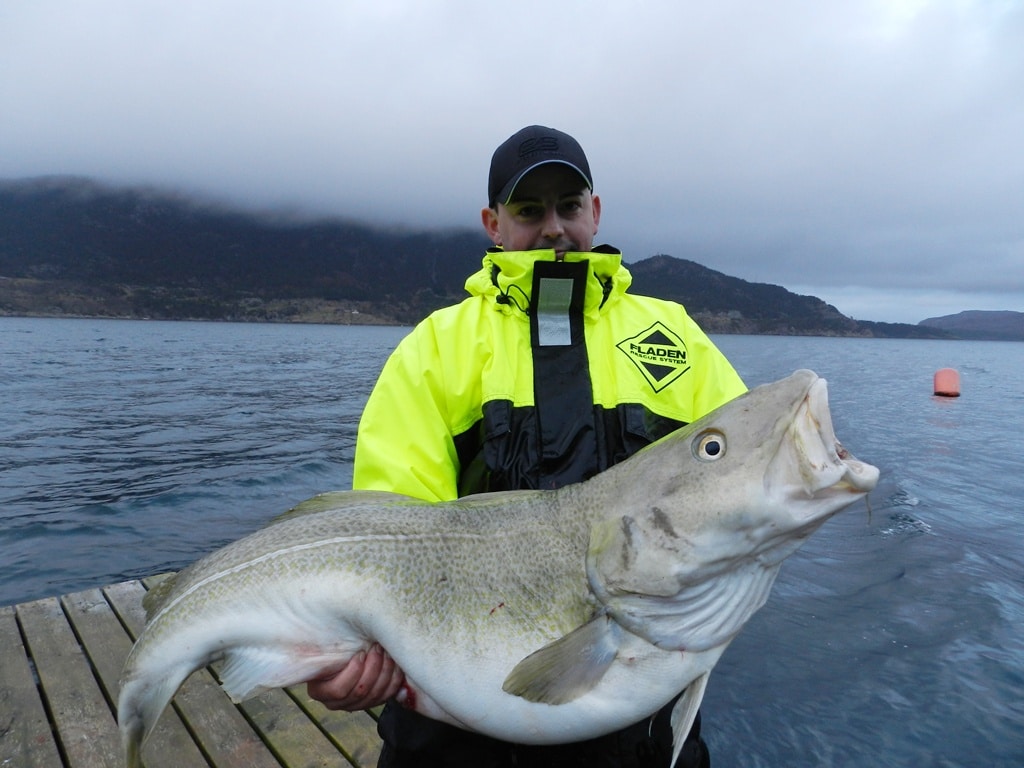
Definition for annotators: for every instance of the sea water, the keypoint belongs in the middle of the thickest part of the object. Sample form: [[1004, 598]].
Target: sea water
[[895, 637]]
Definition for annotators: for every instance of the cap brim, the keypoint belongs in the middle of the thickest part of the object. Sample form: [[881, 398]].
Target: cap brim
[[505, 196]]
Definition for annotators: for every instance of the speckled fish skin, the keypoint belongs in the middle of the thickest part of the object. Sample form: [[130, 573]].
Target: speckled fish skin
[[532, 616]]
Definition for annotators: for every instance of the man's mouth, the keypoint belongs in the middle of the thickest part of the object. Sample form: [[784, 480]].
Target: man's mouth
[[561, 249]]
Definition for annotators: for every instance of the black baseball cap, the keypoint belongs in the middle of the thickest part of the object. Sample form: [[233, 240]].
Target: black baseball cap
[[523, 151]]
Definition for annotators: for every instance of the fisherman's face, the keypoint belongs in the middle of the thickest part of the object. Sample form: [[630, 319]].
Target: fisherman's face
[[550, 209]]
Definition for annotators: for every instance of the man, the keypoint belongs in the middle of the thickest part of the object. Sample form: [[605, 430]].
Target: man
[[548, 374]]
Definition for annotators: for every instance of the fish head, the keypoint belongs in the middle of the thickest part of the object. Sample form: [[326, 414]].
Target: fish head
[[687, 560]]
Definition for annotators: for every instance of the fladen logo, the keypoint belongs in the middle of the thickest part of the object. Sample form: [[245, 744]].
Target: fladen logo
[[659, 353]]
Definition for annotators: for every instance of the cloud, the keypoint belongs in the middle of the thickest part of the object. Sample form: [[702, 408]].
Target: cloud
[[868, 146]]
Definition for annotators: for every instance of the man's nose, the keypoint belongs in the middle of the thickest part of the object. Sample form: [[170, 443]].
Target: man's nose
[[552, 225]]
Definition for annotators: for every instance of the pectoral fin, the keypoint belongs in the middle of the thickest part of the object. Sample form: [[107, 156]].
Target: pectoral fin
[[250, 670], [685, 712], [570, 666]]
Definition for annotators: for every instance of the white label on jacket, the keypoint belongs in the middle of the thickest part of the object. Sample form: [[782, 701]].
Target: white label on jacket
[[553, 312]]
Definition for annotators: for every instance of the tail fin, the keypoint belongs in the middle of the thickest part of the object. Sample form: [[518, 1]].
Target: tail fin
[[139, 705]]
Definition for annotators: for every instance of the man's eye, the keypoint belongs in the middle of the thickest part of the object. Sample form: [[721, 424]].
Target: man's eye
[[528, 212]]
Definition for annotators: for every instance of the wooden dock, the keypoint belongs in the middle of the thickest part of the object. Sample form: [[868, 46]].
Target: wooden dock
[[60, 659]]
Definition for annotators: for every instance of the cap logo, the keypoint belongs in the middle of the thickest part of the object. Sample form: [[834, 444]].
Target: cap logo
[[540, 144]]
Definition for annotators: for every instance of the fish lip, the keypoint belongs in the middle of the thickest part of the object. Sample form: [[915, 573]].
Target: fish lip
[[856, 475], [860, 476], [824, 468]]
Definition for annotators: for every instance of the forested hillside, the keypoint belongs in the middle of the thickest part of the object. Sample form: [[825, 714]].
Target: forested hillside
[[73, 247]]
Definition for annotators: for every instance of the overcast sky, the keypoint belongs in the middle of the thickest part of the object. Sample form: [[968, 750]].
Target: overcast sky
[[869, 152]]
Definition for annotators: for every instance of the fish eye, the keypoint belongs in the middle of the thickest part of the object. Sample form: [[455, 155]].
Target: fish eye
[[709, 446]]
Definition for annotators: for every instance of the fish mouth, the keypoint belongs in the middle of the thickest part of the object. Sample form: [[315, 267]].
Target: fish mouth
[[812, 465], [855, 474]]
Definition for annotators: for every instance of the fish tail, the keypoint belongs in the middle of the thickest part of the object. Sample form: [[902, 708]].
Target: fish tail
[[139, 705]]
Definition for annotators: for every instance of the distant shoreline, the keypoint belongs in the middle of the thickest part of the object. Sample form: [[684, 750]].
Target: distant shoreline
[[378, 321]]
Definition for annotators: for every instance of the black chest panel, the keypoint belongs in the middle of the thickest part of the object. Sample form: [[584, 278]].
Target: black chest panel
[[563, 438]]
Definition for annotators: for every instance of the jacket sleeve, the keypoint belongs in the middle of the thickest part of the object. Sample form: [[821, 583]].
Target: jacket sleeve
[[404, 443], [718, 382]]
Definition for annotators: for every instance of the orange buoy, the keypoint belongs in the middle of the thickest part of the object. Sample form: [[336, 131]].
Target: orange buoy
[[947, 382]]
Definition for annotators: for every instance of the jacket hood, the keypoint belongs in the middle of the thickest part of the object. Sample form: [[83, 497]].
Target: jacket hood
[[510, 274]]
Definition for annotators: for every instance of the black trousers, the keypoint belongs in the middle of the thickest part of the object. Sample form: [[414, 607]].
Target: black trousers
[[414, 741]]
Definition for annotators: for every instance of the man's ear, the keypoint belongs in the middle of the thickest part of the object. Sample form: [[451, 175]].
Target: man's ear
[[489, 218], [595, 201]]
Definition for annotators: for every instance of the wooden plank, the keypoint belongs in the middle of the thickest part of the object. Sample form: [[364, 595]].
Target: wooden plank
[[106, 644], [66, 715], [81, 715], [296, 739], [219, 728], [25, 737], [354, 734]]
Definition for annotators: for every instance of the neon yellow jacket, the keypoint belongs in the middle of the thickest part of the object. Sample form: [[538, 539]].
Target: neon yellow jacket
[[456, 409]]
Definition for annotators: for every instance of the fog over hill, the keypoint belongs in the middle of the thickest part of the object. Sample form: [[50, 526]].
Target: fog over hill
[[70, 247]]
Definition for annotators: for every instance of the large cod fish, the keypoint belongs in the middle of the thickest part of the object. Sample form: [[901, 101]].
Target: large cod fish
[[532, 616]]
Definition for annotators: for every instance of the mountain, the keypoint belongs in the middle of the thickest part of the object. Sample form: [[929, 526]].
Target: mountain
[[72, 247], [724, 304], [75, 247], [982, 325]]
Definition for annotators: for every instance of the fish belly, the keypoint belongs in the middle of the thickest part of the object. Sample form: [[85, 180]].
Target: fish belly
[[465, 690]]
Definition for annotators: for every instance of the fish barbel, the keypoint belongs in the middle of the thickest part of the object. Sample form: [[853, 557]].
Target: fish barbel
[[532, 616]]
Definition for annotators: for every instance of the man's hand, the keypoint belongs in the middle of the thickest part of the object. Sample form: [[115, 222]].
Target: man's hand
[[369, 679]]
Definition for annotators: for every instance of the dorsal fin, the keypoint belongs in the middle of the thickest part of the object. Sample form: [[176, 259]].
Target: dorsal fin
[[155, 598], [334, 499]]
